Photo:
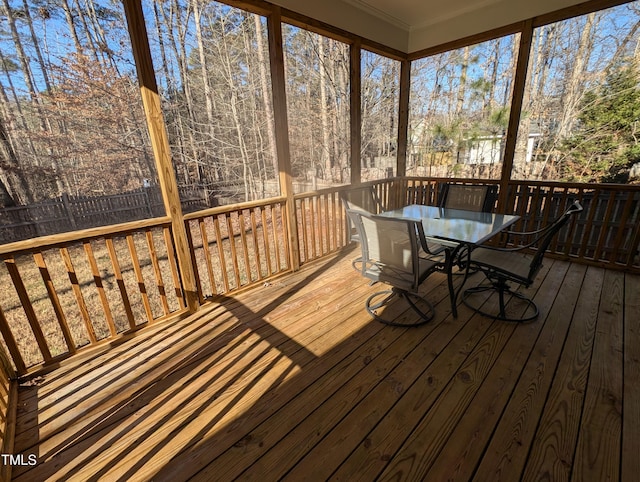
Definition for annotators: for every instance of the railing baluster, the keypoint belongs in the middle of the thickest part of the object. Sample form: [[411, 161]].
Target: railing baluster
[[10, 341], [207, 255], [285, 231], [265, 239], [327, 226], [256, 247], [221, 256], [77, 291], [535, 208], [312, 227], [120, 281], [604, 230], [234, 255], [622, 228], [335, 224], [245, 246], [168, 242], [157, 272], [139, 277], [276, 244], [593, 207], [97, 280], [305, 238], [55, 301], [194, 261], [633, 258]]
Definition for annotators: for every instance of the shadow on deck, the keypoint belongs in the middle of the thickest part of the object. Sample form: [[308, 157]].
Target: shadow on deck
[[294, 380]]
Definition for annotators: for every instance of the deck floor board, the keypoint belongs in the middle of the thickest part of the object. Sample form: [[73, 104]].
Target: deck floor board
[[294, 380]]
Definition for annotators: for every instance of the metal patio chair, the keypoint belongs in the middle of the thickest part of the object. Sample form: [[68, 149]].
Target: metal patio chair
[[503, 265], [470, 197], [390, 254], [362, 199]]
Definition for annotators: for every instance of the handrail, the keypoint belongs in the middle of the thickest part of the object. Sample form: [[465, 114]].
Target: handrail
[[55, 240], [233, 207], [75, 290]]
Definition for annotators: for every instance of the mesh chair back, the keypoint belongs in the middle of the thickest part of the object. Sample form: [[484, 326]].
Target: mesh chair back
[[470, 197], [362, 199], [545, 239], [389, 250]]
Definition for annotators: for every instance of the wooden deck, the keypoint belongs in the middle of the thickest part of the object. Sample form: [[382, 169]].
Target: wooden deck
[[294, 380]]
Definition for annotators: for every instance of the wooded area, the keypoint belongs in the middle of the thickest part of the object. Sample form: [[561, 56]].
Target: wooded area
[[71, 120], [579, 120]]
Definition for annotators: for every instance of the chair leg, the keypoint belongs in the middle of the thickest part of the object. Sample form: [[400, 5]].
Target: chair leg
[[502, 288], [355, 262], [410, 298]]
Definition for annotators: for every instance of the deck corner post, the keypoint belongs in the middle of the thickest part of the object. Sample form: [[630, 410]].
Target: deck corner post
[[355, 110], [519, 85], [160, 145], [403, 121], [281, 123]]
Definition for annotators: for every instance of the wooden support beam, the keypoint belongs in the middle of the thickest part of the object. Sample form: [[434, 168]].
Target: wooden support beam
[[519, 84], [403, 121], [279, 93], [160, 145], [399, 185], [355, 88]]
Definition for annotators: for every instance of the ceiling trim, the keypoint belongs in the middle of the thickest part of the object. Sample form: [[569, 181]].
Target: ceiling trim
[[381, 14]]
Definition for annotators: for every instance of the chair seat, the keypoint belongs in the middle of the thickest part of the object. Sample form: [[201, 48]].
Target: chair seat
[[399, 278], [434, 250], [513, 265]]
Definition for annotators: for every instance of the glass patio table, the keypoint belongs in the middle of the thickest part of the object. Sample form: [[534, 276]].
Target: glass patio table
[[454, 229]]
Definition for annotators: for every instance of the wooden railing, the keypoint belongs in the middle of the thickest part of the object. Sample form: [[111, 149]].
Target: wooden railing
[[8, 400], [322, 223], [417, 190], [606, 233], [65, 292], [237, 246]]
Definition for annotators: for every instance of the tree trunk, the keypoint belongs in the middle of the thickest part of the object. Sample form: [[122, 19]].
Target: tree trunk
[[575, 84], [264, 84], [11, 174], [36, 45], [324, 115], [204, 69], [70, 24], [173, 22]]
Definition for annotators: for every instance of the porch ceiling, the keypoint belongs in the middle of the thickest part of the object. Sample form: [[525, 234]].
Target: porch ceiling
[[412, 25]]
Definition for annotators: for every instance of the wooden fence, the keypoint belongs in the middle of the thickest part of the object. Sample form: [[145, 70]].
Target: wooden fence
[[71, 213]]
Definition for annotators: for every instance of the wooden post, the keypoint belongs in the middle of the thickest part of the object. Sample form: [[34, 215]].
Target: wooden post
[[519, 84], [403, 121], [160, 145], [355, 112], [67, 208], [403, 131], [279, 93]]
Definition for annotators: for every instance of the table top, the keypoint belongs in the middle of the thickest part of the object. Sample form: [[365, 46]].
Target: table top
[[454, 225]]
